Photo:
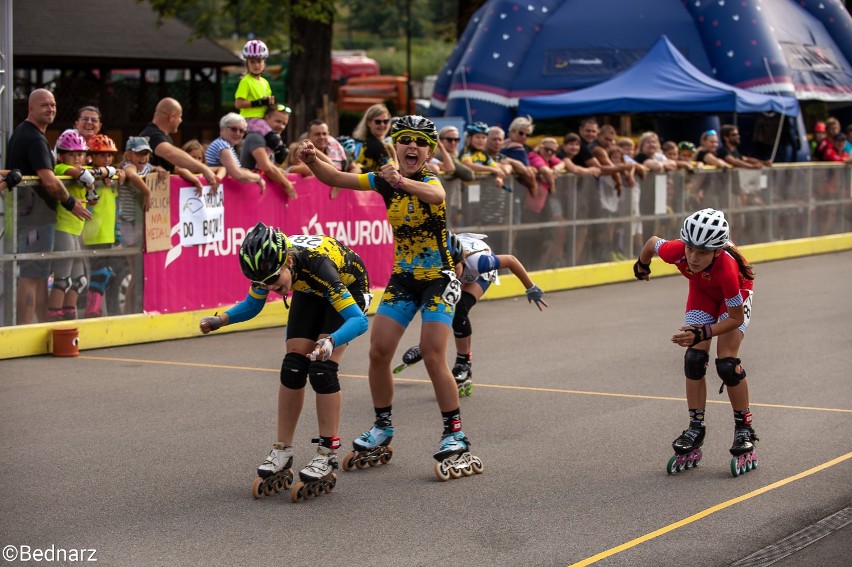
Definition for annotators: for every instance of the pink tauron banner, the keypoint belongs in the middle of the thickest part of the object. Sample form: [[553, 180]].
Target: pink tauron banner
[[208, 276]]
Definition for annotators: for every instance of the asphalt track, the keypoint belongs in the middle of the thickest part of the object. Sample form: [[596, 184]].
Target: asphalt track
[[146, 453]]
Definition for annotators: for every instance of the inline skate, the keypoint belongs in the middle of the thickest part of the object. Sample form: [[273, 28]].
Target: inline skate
[[371, 448], [411, 356], [744, 456], [463, 374], [274, 474], [454, 459], [318, 477], [687, 448]]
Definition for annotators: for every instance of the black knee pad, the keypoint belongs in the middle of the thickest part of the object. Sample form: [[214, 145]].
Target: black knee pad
[[695, 363], [727, 370], [323, 375], [461, 321], [62, 284], [294, 371]]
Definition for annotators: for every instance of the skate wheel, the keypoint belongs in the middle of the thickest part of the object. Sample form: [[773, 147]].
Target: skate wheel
[[348, 461], [467, 471], [441, 472], [332, 482], [400, 368], [468, 390], [454, 472], [477, 466], [297, 492], [386, 456], [315, 490], [735, 469], [287, 482], [373, 462], [256, 490], [670, 467], [266, 487], [360, 464]]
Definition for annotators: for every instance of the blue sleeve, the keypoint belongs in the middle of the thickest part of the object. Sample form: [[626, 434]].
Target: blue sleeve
[[487, 263], [248, 308], [354, 325]]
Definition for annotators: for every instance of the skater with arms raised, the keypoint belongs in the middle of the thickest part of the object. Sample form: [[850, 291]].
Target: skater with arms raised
[[423, 279], [331, 294], [718, 305]]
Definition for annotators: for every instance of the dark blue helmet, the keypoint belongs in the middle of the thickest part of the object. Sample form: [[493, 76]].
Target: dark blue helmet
[[455, 246]]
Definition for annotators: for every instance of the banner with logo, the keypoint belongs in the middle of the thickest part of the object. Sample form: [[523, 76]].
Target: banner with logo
[[206, 276]]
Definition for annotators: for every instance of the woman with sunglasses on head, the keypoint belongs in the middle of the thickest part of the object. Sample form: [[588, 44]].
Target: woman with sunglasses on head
[[370, 138], [222, 153], [331, 294], [423, 279], [709, 143], [719, 304]]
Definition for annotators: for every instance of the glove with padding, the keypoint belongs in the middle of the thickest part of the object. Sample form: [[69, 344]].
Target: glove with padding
[[12, 178], [211, 323], [323, 349], [641, 271], [535, 294]]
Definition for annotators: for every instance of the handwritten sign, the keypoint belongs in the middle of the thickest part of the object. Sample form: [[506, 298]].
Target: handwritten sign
[[202, 219], [158, 222]]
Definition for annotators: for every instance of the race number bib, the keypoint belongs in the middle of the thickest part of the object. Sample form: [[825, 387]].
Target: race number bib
[[452, 293], [747, 308], [305, 240]]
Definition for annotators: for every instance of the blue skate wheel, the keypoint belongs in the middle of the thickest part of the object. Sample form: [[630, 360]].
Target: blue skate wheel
[[735, 469]]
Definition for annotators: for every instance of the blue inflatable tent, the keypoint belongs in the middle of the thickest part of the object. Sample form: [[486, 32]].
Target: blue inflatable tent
[[662, 81]]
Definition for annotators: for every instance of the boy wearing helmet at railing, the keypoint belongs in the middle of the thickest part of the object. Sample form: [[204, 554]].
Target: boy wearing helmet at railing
[[719, 304], [69, 274], [99, 232], [253, 92], [423, 280]]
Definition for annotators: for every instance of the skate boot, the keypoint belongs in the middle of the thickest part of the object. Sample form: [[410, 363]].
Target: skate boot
[[411, 356], [463, 374], [274, 473], [454, 459], [318, 477], [371, 449], [745, 457], [687, 448]]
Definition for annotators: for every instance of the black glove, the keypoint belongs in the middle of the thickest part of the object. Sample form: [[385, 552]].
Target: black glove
[[701, 332], [641, 270], [13, 178]]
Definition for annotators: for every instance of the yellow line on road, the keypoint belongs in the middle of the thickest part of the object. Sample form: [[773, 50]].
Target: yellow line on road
[[478, 384], [708, 511]]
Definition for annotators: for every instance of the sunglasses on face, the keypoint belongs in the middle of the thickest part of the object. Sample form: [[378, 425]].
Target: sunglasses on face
[[547, 149], [524, 134], [268, 281], [381, 122], [237, 129], [419, 140], [92, 119], [451, 140]]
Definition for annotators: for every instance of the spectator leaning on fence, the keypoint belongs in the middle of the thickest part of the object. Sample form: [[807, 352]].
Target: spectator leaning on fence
[[167, 118], [264, 150], [728, 150], [222, 151], [29, 152]]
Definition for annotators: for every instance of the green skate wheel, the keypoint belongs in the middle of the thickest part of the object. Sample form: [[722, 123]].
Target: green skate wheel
[[735, 469], [400, 368], [670, 468], [468, 389]]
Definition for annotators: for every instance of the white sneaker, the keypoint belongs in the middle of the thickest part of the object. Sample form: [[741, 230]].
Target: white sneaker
[[279, 458]]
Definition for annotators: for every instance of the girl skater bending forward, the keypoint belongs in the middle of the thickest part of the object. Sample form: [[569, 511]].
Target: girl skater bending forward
[[718, 304]]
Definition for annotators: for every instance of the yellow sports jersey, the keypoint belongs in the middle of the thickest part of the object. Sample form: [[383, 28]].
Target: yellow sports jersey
[[100, 229], [66, 221], [325, 267], [477, 157], [419, 228], [251, 88]]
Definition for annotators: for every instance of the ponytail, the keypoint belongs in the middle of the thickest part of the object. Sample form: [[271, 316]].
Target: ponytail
[[747, 270]]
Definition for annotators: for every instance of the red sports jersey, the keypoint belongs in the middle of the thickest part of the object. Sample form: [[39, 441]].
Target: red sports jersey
[[709, 289]]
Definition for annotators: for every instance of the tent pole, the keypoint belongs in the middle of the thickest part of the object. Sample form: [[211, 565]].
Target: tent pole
[[781, 120]]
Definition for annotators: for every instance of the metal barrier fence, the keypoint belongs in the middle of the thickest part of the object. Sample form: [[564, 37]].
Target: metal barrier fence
[[584, 221]]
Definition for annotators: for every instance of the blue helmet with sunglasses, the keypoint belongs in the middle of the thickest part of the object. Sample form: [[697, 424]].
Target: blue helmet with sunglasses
[[263, 253], [413, 124], [476, 128]]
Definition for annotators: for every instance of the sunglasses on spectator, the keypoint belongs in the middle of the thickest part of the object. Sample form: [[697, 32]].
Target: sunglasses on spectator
[[283, 108], [524, 134], [451, 140], [381, 122], [237, 129], [419, 140], [92, 119], [548, 149]]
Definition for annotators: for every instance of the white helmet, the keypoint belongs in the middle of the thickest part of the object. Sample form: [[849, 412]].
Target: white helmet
[[254, 49], [706, 229]]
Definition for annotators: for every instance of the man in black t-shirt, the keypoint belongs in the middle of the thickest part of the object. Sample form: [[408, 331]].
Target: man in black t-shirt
[[167, 118], [260, 146], [728, 150], [30, 153]]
